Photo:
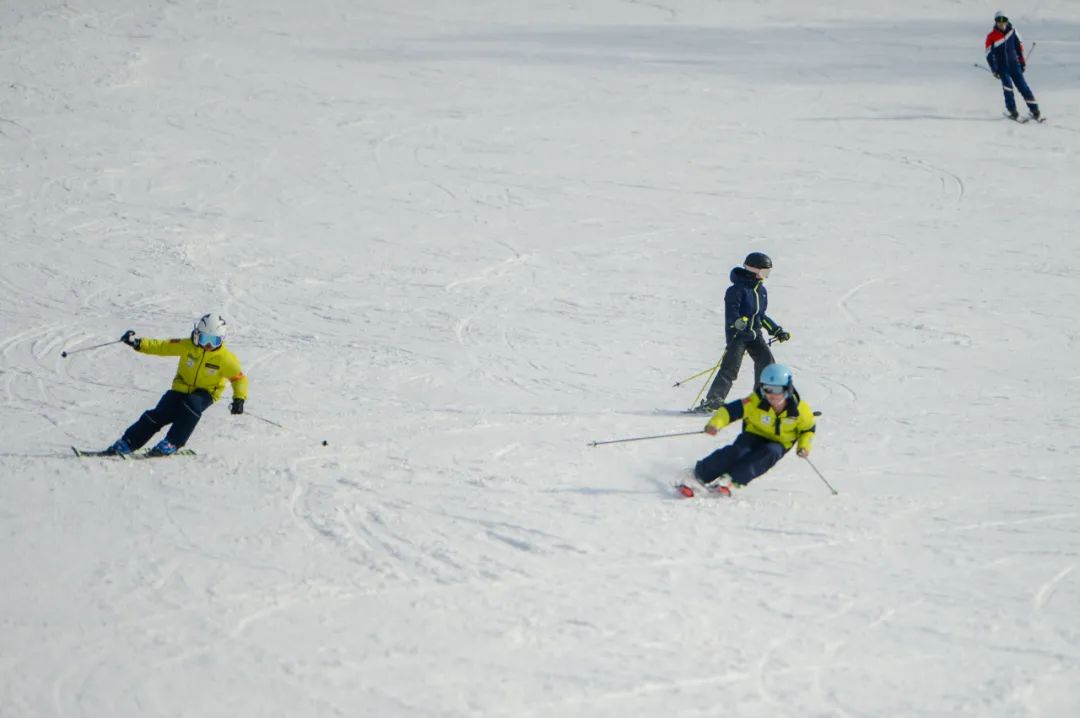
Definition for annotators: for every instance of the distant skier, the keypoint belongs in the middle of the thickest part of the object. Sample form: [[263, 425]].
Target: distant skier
[[745, 303], [204, 367], [1005, 56], [774, 420]]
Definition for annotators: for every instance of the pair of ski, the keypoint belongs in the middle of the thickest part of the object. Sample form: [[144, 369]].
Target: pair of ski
[[691, 488], [1023, 120], [84, 454]]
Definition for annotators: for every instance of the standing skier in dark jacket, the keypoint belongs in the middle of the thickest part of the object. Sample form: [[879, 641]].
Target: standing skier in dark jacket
[[745, 303], [1005, 56]]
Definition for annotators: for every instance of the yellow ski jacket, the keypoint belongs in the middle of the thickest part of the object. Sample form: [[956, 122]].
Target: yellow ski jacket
[[794, 425], [199, 368]]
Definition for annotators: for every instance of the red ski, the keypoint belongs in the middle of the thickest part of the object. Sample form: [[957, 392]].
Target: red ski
[[690, 491]]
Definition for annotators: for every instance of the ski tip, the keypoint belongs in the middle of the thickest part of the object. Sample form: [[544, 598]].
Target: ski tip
[[685, 491]]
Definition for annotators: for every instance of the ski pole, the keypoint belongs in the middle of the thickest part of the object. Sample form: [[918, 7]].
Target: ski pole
[[643, 438], [262, 418], [834, 492], [705, 386], [695, 376], [280, 426], [65, 353]]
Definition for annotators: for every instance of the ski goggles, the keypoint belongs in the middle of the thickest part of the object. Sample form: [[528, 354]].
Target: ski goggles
[[761, 272], [773, 389], [1001, 18], [207, 341]]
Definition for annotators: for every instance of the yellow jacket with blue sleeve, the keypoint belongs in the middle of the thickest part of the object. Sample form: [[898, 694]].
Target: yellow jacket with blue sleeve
[[794, 425], [206, 369]]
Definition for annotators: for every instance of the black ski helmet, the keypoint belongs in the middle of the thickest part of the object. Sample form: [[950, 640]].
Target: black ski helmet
[[758, 260]]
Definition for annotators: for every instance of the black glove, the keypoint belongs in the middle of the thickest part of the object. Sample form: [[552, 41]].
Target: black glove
[[237, 406], [130, 340], [1023, 68], [997, 76], [781, 335]]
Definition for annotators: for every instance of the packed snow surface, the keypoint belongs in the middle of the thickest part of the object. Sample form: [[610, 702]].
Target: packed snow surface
[[457, 242]]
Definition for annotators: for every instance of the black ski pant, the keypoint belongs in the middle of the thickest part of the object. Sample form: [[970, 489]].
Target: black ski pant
[[183, 411], [759, 351], [748, 457]]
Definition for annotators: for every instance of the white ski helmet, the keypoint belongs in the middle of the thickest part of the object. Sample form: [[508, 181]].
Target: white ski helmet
[[1000, 15], [209, 331]]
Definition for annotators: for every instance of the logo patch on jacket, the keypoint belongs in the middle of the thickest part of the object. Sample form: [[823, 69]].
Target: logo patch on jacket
[[766, 419]]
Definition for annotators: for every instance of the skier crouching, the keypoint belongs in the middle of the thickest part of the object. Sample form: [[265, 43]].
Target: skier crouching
[[205, 365], [774, 420]]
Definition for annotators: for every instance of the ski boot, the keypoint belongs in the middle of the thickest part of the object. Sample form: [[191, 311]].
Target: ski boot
[[706, 407], [119, 448], [163, 448], [691, 484], [720, 485]]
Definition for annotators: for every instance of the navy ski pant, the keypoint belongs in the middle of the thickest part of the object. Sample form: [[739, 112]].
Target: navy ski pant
[[731, 362], [1015, 76], [748, 457], [183, 411]]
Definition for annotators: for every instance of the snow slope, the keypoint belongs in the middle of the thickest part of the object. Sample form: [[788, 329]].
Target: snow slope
[[458, 242]]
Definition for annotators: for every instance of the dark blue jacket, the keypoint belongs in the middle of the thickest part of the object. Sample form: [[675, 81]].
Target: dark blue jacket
[[746, 297], [1005, 50]]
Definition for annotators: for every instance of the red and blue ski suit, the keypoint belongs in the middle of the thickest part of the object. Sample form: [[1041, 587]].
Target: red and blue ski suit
[[1005, 56]]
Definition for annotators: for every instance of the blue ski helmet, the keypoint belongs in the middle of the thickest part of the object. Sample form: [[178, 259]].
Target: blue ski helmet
[[776, 375]]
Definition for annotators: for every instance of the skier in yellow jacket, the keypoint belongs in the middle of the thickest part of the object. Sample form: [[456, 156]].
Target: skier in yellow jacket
[[774, 420], [205, 365]]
